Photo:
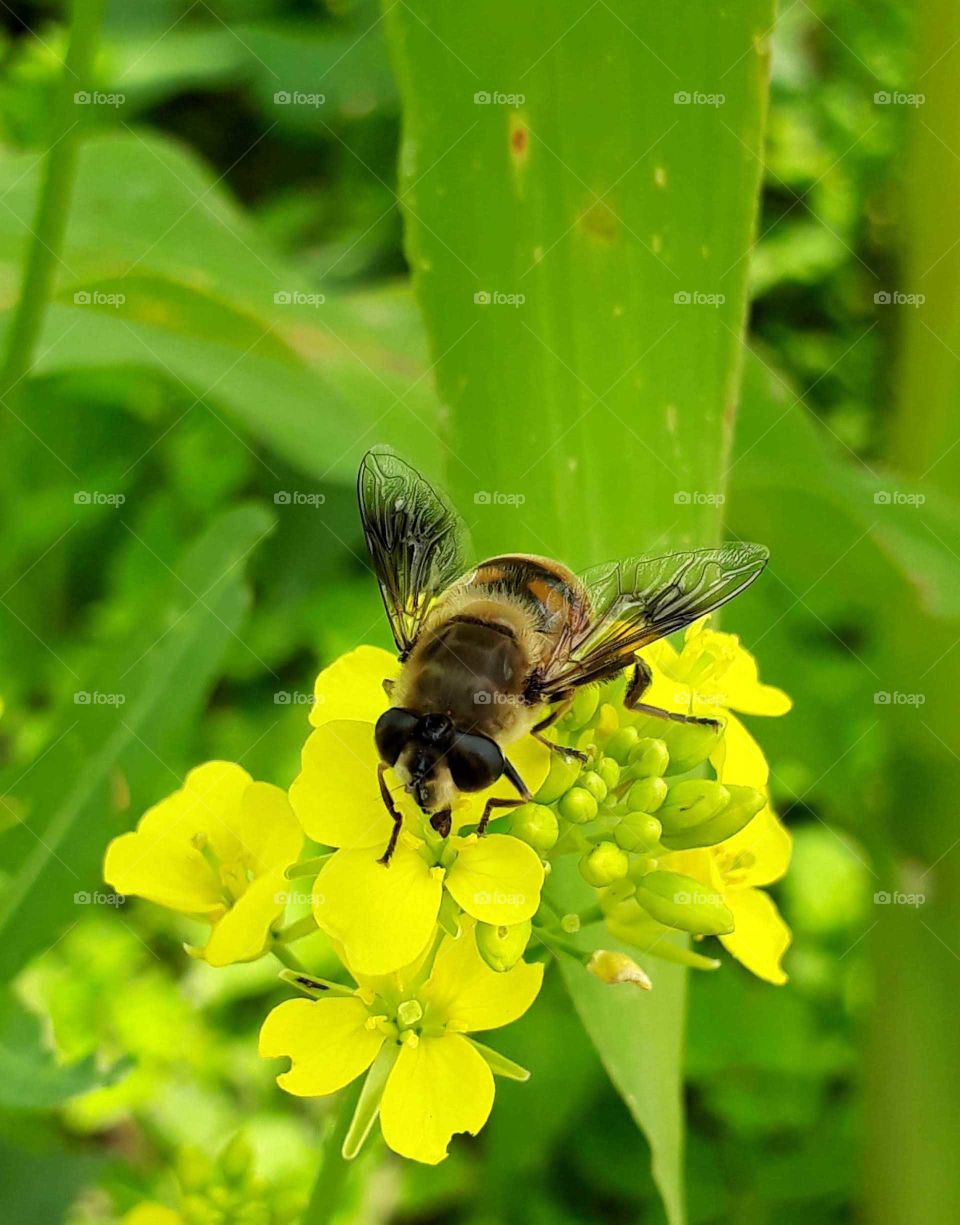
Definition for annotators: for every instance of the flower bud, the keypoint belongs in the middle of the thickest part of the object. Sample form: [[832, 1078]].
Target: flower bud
[[564, 769], [583, 707], [591, 781], [578, 805], [614, 691], [691, 743], [744, 804], [613, 967], [609, 770], [194, 1169], [638, 831], [647, 794], [604, 864], [537, 825], [649, 757], [501, 946], [236, 1158], [641, 865], [682, 902], [691, 802], [621, 742]]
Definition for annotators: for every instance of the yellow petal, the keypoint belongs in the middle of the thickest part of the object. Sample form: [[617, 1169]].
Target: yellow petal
[[738, 758], [532, 762], [327, 1042], [760, 937], [208, 803], [464, 993], [165, 870], [745, 692], [437, 1088], [336, 795], [243, 932], [760, 853], [383, 916], [352, 686], [269, 831], [152, 1214], [497, 879]]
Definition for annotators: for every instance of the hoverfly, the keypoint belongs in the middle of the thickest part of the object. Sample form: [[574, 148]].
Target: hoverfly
[[493, 653]]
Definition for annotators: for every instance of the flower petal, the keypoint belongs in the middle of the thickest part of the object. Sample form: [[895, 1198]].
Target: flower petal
[[760, 937], [208, 803], [326, 1040], [269, 830], [243, 932], [738, 758], [764, 845], [745, 692], [352, 686], [382, 915], [497, 879], [464, 993], [437, 1088], [336, 795], [164, 870]]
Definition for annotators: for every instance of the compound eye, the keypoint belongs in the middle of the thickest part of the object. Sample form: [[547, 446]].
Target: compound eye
[[394, 729], [475, 762]]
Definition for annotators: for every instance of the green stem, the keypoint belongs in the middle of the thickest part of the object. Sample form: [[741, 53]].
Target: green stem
[[297, 930], [285, 957], [56, 190], [327, 1192]]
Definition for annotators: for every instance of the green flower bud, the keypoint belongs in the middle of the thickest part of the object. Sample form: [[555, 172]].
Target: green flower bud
[[745, 803], [691, 743], [682, 902], [583, 707], [621, 742], [578, 806], [198, 1211], [563, 773], [647, 794], [609, 770], [194, 1169], [691, 802], [500, 946], [236, 1158], [638, 831], [615, 691], [642, 865], [604, 864], [591, 781], [536, 825], [648, 757]]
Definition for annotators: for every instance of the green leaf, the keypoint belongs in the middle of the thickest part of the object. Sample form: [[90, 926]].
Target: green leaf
[[161, 270], [120, 736], [30, 1077]]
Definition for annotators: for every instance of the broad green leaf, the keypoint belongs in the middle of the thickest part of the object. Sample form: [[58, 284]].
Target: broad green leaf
[[160, 269], [580, 195], [120, 738]]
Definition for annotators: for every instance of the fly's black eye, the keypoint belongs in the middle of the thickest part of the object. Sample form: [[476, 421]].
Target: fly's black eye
[[394, 728], [475, 762]]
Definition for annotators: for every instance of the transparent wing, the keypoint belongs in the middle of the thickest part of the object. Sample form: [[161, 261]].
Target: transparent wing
[[414, 537], [637, 601]]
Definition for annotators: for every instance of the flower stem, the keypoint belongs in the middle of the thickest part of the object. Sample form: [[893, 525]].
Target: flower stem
[[327, 1192], [296, 930], [53, 202], [285, 957]]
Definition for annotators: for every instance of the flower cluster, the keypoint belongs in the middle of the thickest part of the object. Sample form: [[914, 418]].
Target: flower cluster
[[670, 822]]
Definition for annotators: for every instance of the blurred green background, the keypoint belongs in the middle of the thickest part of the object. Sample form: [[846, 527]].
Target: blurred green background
[[230, 324]]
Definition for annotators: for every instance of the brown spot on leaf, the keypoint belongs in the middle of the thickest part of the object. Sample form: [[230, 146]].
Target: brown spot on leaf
[[599, 221]]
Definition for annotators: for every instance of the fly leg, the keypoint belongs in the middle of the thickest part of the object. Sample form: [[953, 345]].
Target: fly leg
[[395, 814], [557, 713], [642, 676], [510, 770]]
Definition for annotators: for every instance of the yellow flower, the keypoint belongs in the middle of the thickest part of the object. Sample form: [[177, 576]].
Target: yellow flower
[[152, 1214], [736, 869], [440, 1082], [384, 917], [217, 848], [710, 677]]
